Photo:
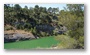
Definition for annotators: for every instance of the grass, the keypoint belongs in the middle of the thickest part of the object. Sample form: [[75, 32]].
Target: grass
[[45, 42]]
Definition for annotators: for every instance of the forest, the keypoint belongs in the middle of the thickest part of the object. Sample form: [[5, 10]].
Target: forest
[[66, 25]]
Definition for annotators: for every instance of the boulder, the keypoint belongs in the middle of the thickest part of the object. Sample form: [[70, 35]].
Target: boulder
[[9, 38]]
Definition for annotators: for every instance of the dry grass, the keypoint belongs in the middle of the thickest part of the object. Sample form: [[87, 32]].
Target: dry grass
[[14, 30], [17, 31]]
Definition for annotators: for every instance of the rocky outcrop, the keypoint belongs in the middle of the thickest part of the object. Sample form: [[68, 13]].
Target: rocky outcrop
[[9, 38], [17, 37]]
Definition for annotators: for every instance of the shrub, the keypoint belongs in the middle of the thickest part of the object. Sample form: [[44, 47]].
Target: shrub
[[8, 28], [81, 42], [34, 31], [55, 32], [66, 42], [43, 34]]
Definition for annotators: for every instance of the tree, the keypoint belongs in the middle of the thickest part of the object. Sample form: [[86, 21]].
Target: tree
[[36, 9], [75, 8], [8, 14], [26, 7], [50, 9], [75, 15], [54, 10], [17, 7]]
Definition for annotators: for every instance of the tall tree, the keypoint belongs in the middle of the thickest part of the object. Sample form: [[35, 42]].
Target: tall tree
[[17, 9], [49, 9], [75, 8], [26, 7]]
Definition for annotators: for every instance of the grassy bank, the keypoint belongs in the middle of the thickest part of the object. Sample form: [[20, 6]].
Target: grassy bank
[[44, 42]]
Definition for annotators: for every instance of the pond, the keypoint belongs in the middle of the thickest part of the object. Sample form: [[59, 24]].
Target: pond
[[44, 42]]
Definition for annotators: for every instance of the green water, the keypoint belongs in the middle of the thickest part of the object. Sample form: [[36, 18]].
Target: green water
[[44, 42]]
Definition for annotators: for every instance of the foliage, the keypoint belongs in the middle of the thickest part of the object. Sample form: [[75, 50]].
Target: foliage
[[81, 41], [66, 42], [43, 34], [27, 19], [73, 19], [8, 28], [34, 31]]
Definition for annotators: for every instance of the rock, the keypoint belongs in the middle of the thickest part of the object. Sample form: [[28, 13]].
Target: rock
[[20, 36], [31, 36], [6, 38], [17, 37], [37, 37], [9, 38]]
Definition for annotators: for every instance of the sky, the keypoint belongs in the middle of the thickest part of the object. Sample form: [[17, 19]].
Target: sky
[[60, 6]]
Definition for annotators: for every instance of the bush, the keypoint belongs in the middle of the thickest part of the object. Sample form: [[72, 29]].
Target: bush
[[55, 32], [34, 31], [76, 33], [81, 42], [27, 25], [8, 28], [66, 42], [43, 34]]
